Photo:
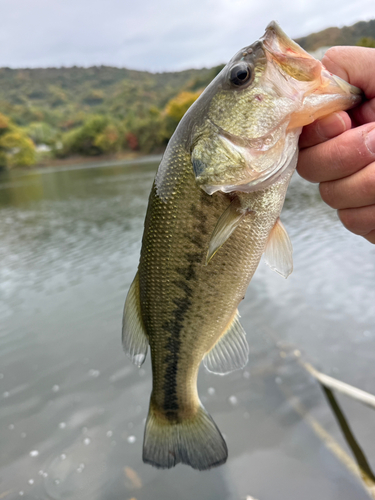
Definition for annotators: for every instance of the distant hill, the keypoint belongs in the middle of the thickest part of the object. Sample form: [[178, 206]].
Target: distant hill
[[348, 35], [62, 96], [91, 111], [105, 110]]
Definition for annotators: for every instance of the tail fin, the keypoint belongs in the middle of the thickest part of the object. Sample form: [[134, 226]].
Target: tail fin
[[195, 441]]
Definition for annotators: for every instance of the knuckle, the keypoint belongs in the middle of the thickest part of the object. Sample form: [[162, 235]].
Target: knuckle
[[337, 153], [327, 193], [371, 237], [368, 182], [305, 166], [336, 157], [306, 137], [349, 220]]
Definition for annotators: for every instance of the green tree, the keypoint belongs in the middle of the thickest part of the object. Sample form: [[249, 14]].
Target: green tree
[[151, 134], [200, 82], [366, 41], [176, 108], [16, 149], [96, 136], [109, 140], [42, 133]]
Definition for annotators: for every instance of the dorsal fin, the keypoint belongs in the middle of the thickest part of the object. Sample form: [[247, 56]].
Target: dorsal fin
[[231, 351], [278, 253], [134, 338]]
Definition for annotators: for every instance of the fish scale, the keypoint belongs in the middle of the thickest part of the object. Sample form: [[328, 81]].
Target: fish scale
[[180, 295], [213, 211]]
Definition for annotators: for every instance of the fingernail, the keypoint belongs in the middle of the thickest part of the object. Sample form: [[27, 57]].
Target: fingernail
[[370, 141], [331, 126]]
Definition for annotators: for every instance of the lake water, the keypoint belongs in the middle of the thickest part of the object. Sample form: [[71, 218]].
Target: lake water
[[72, 406]]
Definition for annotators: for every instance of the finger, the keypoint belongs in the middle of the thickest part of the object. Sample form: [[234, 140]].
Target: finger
[[364, 113], [370, 237], [339, 157], [357, 190], [356, 65], [324, 129], [353, 64], [359, 221]]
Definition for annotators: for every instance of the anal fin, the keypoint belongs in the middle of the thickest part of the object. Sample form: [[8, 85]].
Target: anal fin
[[134, 338], [231, 351], [278, 253]]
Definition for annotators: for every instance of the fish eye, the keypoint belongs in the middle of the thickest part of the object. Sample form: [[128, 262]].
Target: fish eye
[[240, 74]]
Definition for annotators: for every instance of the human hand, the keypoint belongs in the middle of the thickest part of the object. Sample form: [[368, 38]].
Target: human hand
[[338, 151]]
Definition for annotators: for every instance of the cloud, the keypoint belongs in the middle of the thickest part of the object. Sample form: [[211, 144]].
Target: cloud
[[155, 35]]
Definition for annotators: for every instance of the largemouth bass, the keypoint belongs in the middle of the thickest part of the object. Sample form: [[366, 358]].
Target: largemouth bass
[[213, 211]]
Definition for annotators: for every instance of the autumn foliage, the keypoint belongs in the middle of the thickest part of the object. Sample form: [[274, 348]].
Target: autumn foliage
[[16, 148]]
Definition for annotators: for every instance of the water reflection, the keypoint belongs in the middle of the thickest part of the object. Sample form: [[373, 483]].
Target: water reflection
[[72, 407]]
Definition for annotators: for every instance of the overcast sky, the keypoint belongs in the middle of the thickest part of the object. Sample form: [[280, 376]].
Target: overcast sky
[[155, 35]]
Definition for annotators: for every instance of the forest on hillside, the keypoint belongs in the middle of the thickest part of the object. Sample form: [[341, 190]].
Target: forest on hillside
[[91, 111], [59, 112], [361, 33]]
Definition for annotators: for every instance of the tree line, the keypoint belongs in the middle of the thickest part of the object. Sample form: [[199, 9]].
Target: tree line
[[59, 112]]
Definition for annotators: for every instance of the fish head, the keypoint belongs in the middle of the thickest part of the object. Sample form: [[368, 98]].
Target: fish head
[[250, 117]]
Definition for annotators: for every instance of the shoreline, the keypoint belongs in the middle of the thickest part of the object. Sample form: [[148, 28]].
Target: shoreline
[[82, 162], [73, 160]]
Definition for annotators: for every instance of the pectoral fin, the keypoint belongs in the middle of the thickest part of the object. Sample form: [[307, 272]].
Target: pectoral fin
[[231, 351], [134, 338], [279, 250], [225, 226]]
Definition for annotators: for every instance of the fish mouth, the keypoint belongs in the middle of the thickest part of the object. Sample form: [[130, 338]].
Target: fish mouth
[[288, 55], [275, 38], [324, 93], [299, 64]]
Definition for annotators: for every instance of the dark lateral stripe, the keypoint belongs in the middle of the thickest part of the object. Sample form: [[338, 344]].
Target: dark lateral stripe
[[174, 327], [172, 355]]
